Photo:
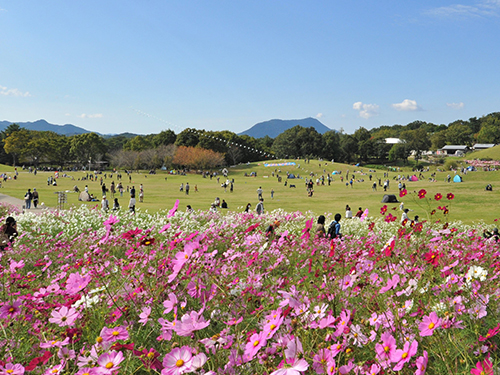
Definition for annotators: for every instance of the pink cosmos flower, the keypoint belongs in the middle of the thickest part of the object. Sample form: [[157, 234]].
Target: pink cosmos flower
[[87, 371], [77, 282], [402, 356], [12, 369], [164, 228], [174, 209], [484, 368], [257, 341], [10, 310], [421, 363], [109, 362], [403, 192], [170, 303], [391, 283], [178, 361], [297, 368], [429, 324], [306, 232], [385, 349], [64, 316], [191, 322], [55, 370], [144, 315], [345, 317], [114, 334], [111, 221], [321, 359]]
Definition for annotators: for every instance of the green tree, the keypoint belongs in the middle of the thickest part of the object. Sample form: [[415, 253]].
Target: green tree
[[399, 151], [438, 140], [86, 147], [165, 138], [459, 133], [138, 143], [331, 146], [417, 141], [15, 143], [188, 138]]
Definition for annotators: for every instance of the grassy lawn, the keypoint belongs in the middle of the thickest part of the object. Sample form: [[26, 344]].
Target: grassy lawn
[[471, 201]]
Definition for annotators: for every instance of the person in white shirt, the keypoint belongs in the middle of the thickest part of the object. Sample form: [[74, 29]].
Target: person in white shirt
[[404, 216], [348, 212], [104, 204]]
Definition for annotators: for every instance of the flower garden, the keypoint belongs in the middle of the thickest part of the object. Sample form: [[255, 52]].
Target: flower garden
[[85, 292]]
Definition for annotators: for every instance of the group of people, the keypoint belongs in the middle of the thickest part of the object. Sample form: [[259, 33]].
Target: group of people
[[31, 197]]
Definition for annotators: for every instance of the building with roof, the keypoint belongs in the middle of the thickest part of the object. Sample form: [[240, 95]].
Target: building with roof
[[483, 146], [456, 150]]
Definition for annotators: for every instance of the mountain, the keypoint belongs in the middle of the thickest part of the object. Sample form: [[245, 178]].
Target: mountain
[[42, 125], [273, 128]]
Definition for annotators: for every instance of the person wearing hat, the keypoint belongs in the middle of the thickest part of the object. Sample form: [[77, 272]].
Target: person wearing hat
[[8, 232], [35, 197], [495, 235]]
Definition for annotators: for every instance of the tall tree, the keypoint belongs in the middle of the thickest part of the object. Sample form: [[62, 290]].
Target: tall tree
[[87, 147], [417, 141]]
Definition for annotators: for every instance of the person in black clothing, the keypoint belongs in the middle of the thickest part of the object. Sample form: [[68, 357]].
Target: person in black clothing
[[247, 208], [223, 204], [495, 235], [8, 232]]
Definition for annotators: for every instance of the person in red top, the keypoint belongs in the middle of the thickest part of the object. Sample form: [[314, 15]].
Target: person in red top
[[359, 213]]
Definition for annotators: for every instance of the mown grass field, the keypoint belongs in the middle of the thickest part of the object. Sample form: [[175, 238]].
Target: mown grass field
[[471, 203]]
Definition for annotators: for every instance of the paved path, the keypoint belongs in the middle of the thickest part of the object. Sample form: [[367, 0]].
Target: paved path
[[19, 203]]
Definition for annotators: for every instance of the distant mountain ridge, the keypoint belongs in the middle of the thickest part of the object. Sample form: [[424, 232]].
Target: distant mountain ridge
[[273, 128], [42, 125]]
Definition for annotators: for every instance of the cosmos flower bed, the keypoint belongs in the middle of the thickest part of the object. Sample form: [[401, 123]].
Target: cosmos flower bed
[[173, 293]]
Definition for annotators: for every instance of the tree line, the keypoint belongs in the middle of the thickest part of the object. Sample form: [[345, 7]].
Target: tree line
[[202, 149]]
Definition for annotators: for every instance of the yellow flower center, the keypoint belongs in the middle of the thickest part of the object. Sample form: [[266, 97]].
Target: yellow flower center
[[386, 349], [404, 355], [109, 365], [150, 355], [10, 371], [99, 339], [115, 333], [256, 343], [273, 326], [11, 309], [179, 363], [185, 256], [431, 326], [63, 319]]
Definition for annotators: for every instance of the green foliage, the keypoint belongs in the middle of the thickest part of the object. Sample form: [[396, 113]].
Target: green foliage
[[450, 164]]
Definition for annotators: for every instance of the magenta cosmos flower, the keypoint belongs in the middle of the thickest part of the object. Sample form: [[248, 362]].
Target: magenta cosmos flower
[[402, 356], [385, 349], [178, 361], [114, 334], [12, 369], [483, 368], [257, 341], [77, 282], [429, 324], [64, 316], [109, 362], [297, 368], [10, 310], [421, 363]]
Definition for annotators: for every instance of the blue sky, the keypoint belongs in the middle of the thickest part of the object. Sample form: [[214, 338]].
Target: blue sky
[[147, 65]]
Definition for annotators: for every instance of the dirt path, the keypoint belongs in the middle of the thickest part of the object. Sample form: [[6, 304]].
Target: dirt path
[[19, 203]]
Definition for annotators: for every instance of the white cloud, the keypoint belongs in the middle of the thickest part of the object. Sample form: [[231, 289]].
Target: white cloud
[[407, 105], [95, 115], [485, 8], [13, 92], [456, 105], [319, 115], [366, 110]]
